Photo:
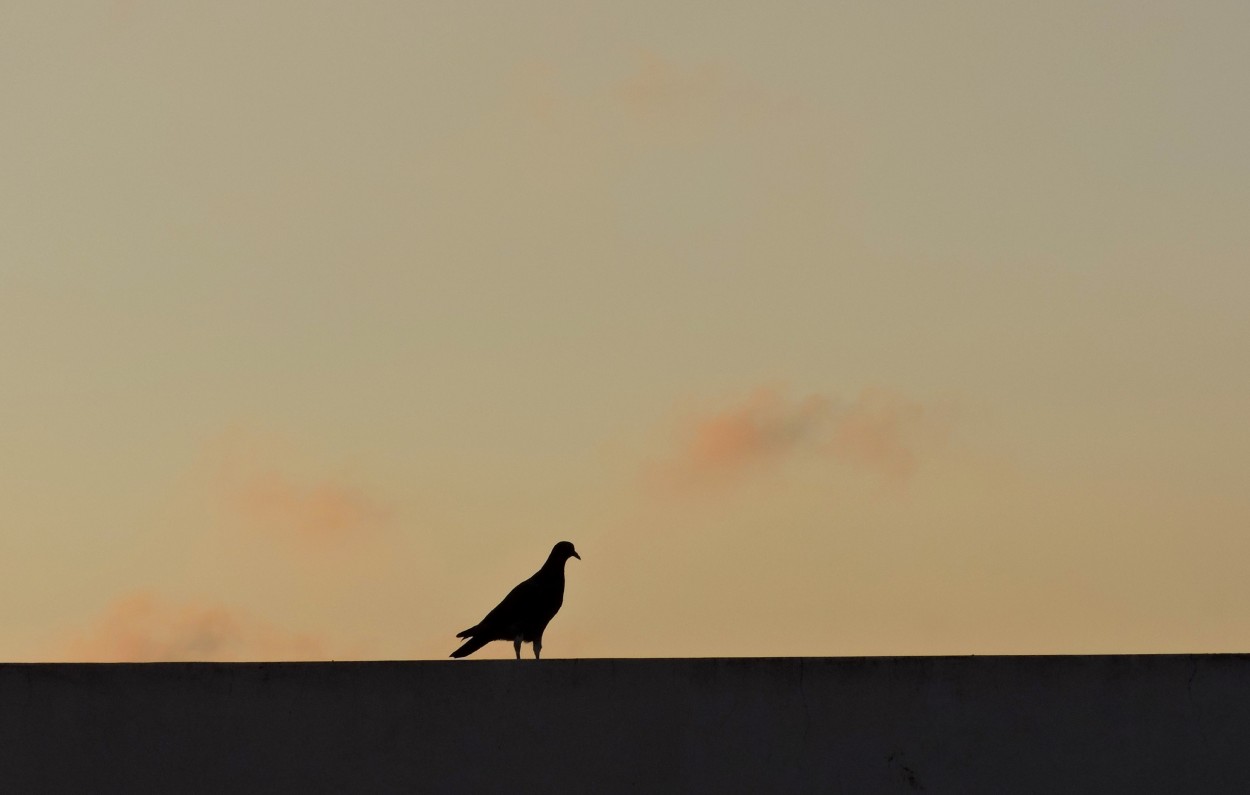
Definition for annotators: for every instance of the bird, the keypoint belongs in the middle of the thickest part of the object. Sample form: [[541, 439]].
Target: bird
[[525, 612]]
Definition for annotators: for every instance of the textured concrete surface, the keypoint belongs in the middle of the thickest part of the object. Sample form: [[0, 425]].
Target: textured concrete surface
[[871, 725]]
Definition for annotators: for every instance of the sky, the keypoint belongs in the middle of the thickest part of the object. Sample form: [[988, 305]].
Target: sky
[[819, 328]]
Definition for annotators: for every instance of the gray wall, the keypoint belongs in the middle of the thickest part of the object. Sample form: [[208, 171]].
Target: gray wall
[[953, 724]]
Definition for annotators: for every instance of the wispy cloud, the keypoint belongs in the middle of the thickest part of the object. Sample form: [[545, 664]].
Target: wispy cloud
[[653, 93], [764, 427], [142, 627], [256, 483], [663, 90], [880, 431], [659, 86], [318, 512]]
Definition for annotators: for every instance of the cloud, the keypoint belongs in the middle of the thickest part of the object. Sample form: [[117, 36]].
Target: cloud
[[254, 481], [660, 86], [141, 627], [653, 95], [880, 432], [319, 512], [662, 90], [763, 428]]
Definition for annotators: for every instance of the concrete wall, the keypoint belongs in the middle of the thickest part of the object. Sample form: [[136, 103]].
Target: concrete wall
[[871, 725]]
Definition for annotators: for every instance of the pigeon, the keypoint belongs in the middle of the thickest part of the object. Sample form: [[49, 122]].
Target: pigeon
[[525, 611]]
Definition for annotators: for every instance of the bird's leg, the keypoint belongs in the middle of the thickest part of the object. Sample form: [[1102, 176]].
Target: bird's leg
[[538, 647], [516, 644]]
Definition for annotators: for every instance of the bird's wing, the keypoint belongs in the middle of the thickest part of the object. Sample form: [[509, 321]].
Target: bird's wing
[[513, 608]]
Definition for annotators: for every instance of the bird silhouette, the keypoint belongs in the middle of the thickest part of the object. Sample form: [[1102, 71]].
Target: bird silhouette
[[524, 613]]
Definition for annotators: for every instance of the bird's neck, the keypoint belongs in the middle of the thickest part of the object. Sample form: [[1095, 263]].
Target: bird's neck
[[554, 566]]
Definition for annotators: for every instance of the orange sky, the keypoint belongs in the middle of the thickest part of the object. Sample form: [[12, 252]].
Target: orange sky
[[819, 330]]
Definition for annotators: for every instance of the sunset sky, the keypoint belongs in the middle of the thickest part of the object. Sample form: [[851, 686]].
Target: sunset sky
[[819, 328]]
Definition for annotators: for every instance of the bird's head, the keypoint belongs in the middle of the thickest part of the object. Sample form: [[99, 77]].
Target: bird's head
[[563, 551]]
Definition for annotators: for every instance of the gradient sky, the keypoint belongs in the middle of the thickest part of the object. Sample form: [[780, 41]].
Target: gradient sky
[[820, 328]]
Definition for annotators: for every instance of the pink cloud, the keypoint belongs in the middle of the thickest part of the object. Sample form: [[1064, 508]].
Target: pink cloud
[[253, 481], [764, 427], [140, 627], [319, 512], [880, 431], [660, 86], [664, 90]]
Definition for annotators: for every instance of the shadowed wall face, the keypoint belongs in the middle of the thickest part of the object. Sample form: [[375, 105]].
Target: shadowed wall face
[[974, 725], [819, 329]]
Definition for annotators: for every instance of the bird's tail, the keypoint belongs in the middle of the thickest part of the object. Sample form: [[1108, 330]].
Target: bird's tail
[[470, 646]]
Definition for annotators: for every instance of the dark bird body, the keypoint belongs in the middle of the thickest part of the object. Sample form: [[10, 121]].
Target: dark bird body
[[527, 609]]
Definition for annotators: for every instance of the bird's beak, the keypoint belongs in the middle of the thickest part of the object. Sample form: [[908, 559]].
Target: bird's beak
[[579, 557]]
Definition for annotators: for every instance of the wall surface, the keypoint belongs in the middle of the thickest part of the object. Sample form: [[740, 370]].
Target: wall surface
[[871, 725]]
